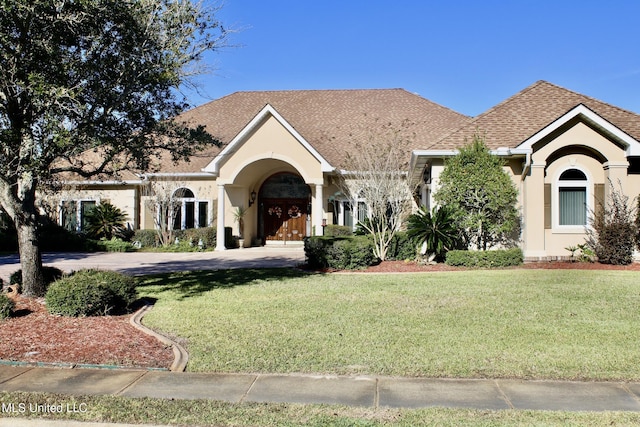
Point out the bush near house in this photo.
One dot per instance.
(613, 236)
(91, 293)
(6, 306)
(188, 238)
(401, 248)
(485, 259)
(340, 253)
(333, 230)
(51, 274)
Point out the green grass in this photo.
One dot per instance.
(210, 413)
(542, 324)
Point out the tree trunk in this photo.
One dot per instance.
(30, 260)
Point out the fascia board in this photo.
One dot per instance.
(631, 145)
(214, 166)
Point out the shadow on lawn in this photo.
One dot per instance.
(194, 283)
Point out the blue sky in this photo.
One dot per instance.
(465, 55)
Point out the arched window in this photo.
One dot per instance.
(572, 198)
(188, 212)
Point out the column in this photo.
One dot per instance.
(533, 212)
(615, 175)
(318, 211)
(220, 220)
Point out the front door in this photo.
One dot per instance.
(285, 220)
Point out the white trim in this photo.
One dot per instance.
(178, 175)
(216, 163)
(555, 200)
(110, 182)
(631, 145)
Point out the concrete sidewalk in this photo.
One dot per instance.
(360, 391)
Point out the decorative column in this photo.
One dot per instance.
(318, 211)
(220, 220)
(615, 175)
(534, 212)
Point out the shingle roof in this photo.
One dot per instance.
(527, 112)
(325, 118)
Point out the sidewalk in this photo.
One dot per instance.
(360, 391)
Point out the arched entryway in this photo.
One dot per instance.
(285, 204)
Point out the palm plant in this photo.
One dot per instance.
(105, 221)
(436, 232)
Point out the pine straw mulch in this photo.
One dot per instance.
(34, 335)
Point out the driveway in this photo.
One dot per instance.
(137, 263)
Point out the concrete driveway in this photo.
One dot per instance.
(137, 263)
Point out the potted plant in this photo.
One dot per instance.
(238, 216)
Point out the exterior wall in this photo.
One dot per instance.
(162, 189)
(270, 141)
(579, 147)
(269, 149)
(124, 197)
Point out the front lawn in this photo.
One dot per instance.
(555, 324)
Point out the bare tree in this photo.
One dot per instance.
(162, 199)
(375, 172)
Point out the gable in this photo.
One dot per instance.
(268, 136)
(582, 126)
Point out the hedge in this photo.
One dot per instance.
(402, 248)
(485, 259)
(91, 293)
(50, 274)
(340, 253)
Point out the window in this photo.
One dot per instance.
(572, 198)
(188, 211)
(73, 214)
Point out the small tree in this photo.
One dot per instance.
(375, 171)
(614, 229)
(481, 196)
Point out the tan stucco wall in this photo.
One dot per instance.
(124, 197)
(159, 188)
(270, 140)
(608, 161)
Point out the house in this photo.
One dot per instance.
(283, 150)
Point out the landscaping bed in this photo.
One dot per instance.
(34, 335)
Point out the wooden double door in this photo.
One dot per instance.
(285, 220)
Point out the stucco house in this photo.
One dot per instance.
(282, 152)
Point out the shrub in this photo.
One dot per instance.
(401, 247)
(614, 232)
(333, 230)
(340, 253)
(6, 306)
(146, 238)
(91, 293)
(195, 235)
(114, 245)
(51, 274)
(485, 259)
(436, 231)
(105, 221)
(54, 238)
